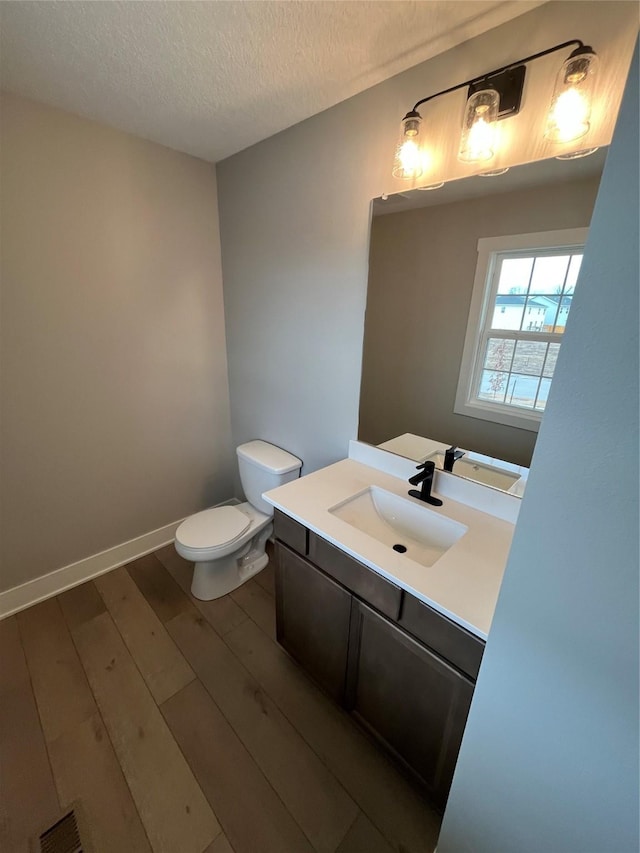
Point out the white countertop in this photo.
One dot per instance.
(462, 584)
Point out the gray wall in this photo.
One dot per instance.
(294, 219)
(549, 759)
(421, 271)
(115, 417)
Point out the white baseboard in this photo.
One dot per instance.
(46, 586)
(23, 596)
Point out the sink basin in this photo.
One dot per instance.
(481, 472)
(401, 524)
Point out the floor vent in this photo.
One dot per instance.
(62, 837)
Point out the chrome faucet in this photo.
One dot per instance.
(450, 457)
(424, 477)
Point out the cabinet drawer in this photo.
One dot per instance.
(362, 581)
(449, 640)
(290, 532)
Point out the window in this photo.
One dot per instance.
(522, 295)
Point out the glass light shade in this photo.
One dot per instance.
(408, 163)
(494, 173)
(478, 140)
(577, 155)
(570, 110)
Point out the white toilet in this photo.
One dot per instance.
(227, 543)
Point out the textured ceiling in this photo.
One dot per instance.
(212, 78)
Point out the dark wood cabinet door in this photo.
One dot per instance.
(312, 619)
(409, 698)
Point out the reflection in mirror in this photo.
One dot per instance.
(422, 264)
(469, 464)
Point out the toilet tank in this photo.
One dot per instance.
(264, 466)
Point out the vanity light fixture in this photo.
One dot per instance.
(497, 95)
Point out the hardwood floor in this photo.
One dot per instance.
(181, 726)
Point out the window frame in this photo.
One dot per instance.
(484, 292)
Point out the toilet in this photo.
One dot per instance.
(227, 543)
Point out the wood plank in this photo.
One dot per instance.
(387, 798)
(258, 604)
(313, 796)
(85, 768)
(267, 578)
(158, 587)
(220, 845)
(172, 807)
(363, 837)
(28, 800)
(81, 604)
(162, 665)
(59, 683)
(223, 614)
(251, 813)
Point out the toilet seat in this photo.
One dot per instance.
(213, 528)
(216, 532)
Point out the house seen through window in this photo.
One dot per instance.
(515, 332)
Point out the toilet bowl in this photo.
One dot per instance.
(227, 543)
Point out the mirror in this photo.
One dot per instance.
(422, 264)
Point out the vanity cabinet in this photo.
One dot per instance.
(404, 671)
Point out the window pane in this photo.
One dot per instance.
(572, 275)
(514, 275)
(529, 357)
(522, 390)
(498, 354)
(535, 313)
(552, 357)
(508, 312)
(549, 274)
(563, 313)
(543, 394)
(493, 386)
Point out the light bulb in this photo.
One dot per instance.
(570, 110)
(409, 157)
(569, 116)
(479, 127)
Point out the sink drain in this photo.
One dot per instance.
(401, 549)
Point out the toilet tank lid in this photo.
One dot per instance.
(269, 457)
